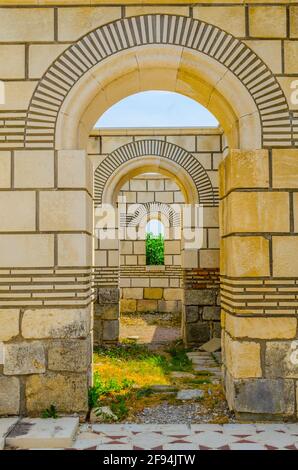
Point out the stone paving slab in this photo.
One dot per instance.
(43, 433)
(6, 424)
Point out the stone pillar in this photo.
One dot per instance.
(45, 262)
(107, 316)
(259, 279)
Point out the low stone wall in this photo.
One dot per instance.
(150, 300)
(200, 306)
(106, 316)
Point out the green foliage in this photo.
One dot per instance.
(155, 249)
(103, 388)
(119, 406)
(179, 360)
(50, 412)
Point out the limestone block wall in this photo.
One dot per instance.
(259, 272)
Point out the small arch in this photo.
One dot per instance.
(207, 195)
(144, 210)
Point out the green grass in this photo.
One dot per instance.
(124, 374)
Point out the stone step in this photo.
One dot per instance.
(41, 433)
(6, 425)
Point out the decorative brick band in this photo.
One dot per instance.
(201, 278)
(256, 296)
(58, 287)
(187, 32)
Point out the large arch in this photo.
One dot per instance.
(239, 62)
(172, 154)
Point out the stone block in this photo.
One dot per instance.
(68, 392)
(107, 311)
(285, 168)
(229, 18)
(260, 212)
(5, 169)
(191, 313)
(131, 260)
(113, 258)
(12, 61)
(291, 56)
(172, 247)
(132, 293)
(26, 24)
(34, 169)
(74, 249)
(245, 169)
(17, 211)
(157, 185)
(209, 258)
(65, 211)
(110, 330)
(125, 247)
(211, 313)
(74, 170)
(245, 256)
(69, 355)
(294, 22)
(261, 328)
(169, 306)
(187, 142)
(284, 260)
(281, 359)
(199, 297)
(197, 333)
(295, 210)
(139, 247)
(18, 94)
(147, 305)
(24, 358)
(172, 294)
(56, 323)
(128, 305)
(138, 185)
(10, 393)
(264, 396)
(216, 330)
(211, 217)
(165, 197)
(243, 359)
(9, 324)
(107, 295)
(75, 22)
(143, 197)
(28, 250)
(153, 293)
(268, 21)
(159, 282)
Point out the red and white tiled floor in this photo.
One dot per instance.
(183, 437)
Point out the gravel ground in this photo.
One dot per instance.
(188, 413)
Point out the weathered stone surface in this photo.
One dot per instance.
(211, 313)
(281, 359)
(110, 330)
(211, 346)
(56, 323)
(216, 330)
(108, 295)
(69, 355)
(9, 324)
(24, 358)
(6, 425)
(262, 328)
(169, 306)
(191, 313)
(153, 293)
(9, 396)
(128, 305)
(147, 305)
(43, 434)
(243, 358)
(197, 333)
(68, 392)
(199, 297)
(107, 311)
(182, 375)
(266, 396)
(190, 394)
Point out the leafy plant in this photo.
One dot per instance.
(50, 412)
(155, 249)
(119, 407)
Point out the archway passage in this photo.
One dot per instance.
(237, 58)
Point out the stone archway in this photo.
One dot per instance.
(53, 245)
